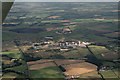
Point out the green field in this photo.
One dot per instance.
(47, 72)
(99, 50)
(93, 74)
(110, 74)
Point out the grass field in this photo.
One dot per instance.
(47, 72)
(44, 69)
(70, 54)
(13, 54)
(10, 76)
(114, 34)
(99, 51)
(47, 68)
(93, 74)
(109, 74)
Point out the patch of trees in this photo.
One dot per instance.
(4, 66)
(29, 57)
(57, 56)
(62, 68)
(28, 30)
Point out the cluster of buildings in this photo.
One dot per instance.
(61, 45)
(73, 44)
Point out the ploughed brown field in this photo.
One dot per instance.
(73, 67)
(79, 68)
(35, 65)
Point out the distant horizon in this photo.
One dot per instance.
(60, 0)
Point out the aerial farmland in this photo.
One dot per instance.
(61, 41)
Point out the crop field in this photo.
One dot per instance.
(47, 72)
(102, 52)
(79, 68)
(11, 76)
(45, 69)
(29, 23)
(41, 65)
(110, 74)
(49, 69)
(91, 74)
(71, 54)
(67, 61)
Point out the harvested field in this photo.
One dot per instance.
(43, 65)
(79, 68)
(40, 64)
(73, 67)
(91, 74)
(78, 71)
(37, 62)
(57, 61)
(66, 62)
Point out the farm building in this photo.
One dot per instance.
(73, 44)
